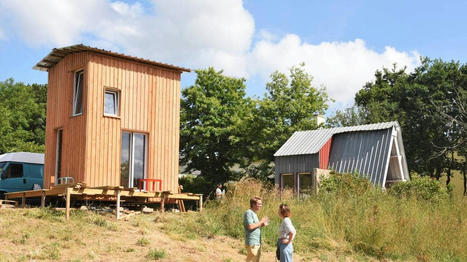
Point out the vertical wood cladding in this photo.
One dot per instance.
(59, 116)
(149, 104)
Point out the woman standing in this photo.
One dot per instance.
(287, 233)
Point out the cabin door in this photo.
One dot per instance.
(133, 159)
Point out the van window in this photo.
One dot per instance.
(13, 170)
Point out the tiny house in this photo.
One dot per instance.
(21, 171)
(112, 119)
(375, 151)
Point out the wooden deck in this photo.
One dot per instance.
(106, 193)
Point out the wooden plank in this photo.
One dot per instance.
(68, 201)
(201, 204)
(118, 204)
(42, 199)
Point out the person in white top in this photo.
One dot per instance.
(219, 192)
(287, 234)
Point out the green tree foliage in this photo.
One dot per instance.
(22, 122)
(351, 116)
(430, 106)
(221, 128)
(290, 104)
(213, 113)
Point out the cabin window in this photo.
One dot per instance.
(78, 93)
(13, 170)
(287, 181)
(133, 159)
(305, 184)
(111, 103)
(58, 152)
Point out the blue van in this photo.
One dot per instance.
(21, 171)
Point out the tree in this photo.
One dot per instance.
(290, 104)
(428, 104)
(23, 111)
(213, 113)
(351, 116)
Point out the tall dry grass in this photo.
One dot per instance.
(367, 222)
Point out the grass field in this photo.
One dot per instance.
(358, 224)
(368, 225)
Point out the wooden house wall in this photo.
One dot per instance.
(59, 115)
(149, 104)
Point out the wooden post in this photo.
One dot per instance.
(68, 200)
(163, 202)
(118, 204)
(200, 203)
(23, 200)
(42, 199)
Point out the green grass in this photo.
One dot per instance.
(143, 242)
(156, 254)
(371, 224)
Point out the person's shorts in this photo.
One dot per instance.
(253, 253)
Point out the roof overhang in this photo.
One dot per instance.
(58, 54)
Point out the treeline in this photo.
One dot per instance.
(22, 117)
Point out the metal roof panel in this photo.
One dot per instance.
(310, 142)
(58, 54)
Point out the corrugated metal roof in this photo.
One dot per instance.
(24, 157)
(310, 142)
(58, 54)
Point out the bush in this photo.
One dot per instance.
(345, 184)
(422, 188)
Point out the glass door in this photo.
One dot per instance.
(133, 159)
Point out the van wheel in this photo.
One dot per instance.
(2, 194)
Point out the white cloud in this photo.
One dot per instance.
(343, 67)
(53, 21)
(197, 33)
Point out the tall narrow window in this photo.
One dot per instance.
(111, 103)
(133, 159)
(58, 163)
(78, 93)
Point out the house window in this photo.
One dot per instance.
(78, 93)
(287, 181)
(111, 103)
(305, 184)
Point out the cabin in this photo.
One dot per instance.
(374, 151)
(112, 119)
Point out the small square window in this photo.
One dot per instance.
(111, 103)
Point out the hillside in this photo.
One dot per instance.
(35, 234)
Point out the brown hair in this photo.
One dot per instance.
(254, 201)
(284, 209)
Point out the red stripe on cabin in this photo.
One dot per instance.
(324, 154)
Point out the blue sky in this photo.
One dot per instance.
(341, 42)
